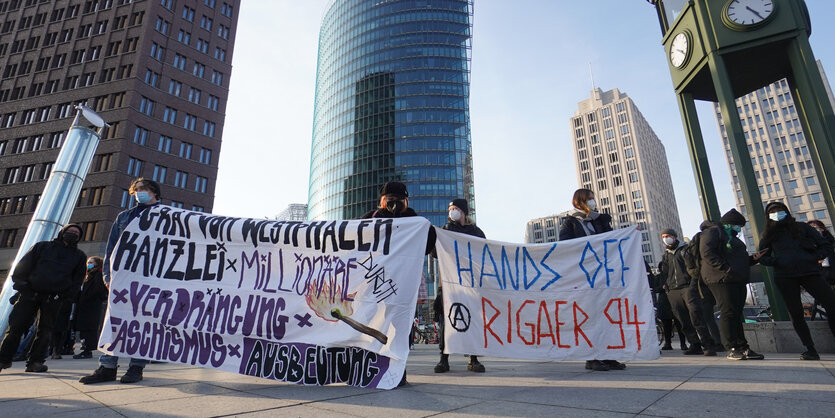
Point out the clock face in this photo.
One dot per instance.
(678, 50)
(749, 12)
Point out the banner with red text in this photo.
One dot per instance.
(581, 299)
(312, 303)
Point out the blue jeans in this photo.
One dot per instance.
(110, 362)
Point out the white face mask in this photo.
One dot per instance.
(592, 204)
(669, 240)
(455, 215)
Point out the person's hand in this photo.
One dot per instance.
(759, 254)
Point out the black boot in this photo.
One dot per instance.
(443, 365)
(695, 349)
(475, 366)
(36, 367)
(133, 375)
(102, 374)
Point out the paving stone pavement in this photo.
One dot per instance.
(673, 386)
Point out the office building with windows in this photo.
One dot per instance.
(156, 70)
(545, 229)
(621, 159)
(392, 99)
(293, 212)
(777, 145)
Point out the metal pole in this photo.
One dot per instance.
(755, 212)
(698, 157)
(57, 200)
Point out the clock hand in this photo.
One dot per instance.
(679, 50)
(754, 12)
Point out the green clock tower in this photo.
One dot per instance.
(719, 50)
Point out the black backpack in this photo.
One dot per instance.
(693, 258)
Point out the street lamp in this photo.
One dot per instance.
(60, 193)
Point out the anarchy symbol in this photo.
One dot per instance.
(459, 317)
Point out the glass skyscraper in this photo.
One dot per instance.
(392, 103)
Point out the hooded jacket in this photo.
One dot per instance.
(721, 264)
(673, 270)
(572, 226)
(89, 305)
(51, 267)
(795, 256)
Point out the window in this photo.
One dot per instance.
(146, 106)
(177, 204)
(164, 144)
(168, 4)
(174, 87)
(152, 78)
(205, 156)
(206, 23)
(202, 46)
(200, 184)
(7, 238)
(170, 115)
(226, 10)
(179, 62)
(223, 31)
(185, 150)
(217, 78)
(101, 163)
(184, 37)
(159, 173)
(815, 197)
(810, 181)
(140, 136)
(188, 13)
(190, 122)
(90, 229)
(134, 167)
(199, 69)
(194, 95)
(127, 200)
(158, 52)
(180, 179)
(792, 184)
(220, 54)
(209, 129)
(198, 208)
(210, 3)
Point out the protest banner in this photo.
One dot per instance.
(312, 303)
(581, 299)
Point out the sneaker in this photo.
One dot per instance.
(808, 355)
(667, 347)
(752, 355)
(695, 349)
(734, 354)
(133, 375)
(83, 354)
(475, 366)
(597, 366)
(5, 365)
(102, 374)
(442, 367)
(36, 367)
(614, 364)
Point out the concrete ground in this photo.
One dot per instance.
(673, 386)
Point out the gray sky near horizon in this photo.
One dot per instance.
(530, 68)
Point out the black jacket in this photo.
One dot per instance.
(673, 270)
(89, 305)
(795, 256)
(438, 307)
(51, 267)
(438, 304)
(721, 264)
(572, 226)
(409, 212)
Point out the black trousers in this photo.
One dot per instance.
(687, 304)
(24, 311)
(682, 314)
(730, 299)
(820, 290)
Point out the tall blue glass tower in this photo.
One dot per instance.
(392, 103)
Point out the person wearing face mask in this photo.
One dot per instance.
(684, 295)
(457, 221)
(794, 249)
(394, 203)
(584, 222)
(89, 308)
(49, 273)
(726, 268)
(147, 195)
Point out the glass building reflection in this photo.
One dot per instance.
(392, 103)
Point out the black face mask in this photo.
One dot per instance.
(395, 206)
(70, 237)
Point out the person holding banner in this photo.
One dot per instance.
(147, 195)
(458, 221)
(796, 251)
(684, 296)
(584, 222)
(394, 203)
(726, 268)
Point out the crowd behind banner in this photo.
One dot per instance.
(323, 302)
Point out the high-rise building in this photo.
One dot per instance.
(619, 157)
(782, 164)
(156, 70)
(545, 229)
(293, 212)
(392, 103)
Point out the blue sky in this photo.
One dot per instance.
(530, 68)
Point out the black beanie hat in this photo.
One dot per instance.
(732, 217)
(461, 204)
(394, 188)
(669, 231)
(777, 205)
